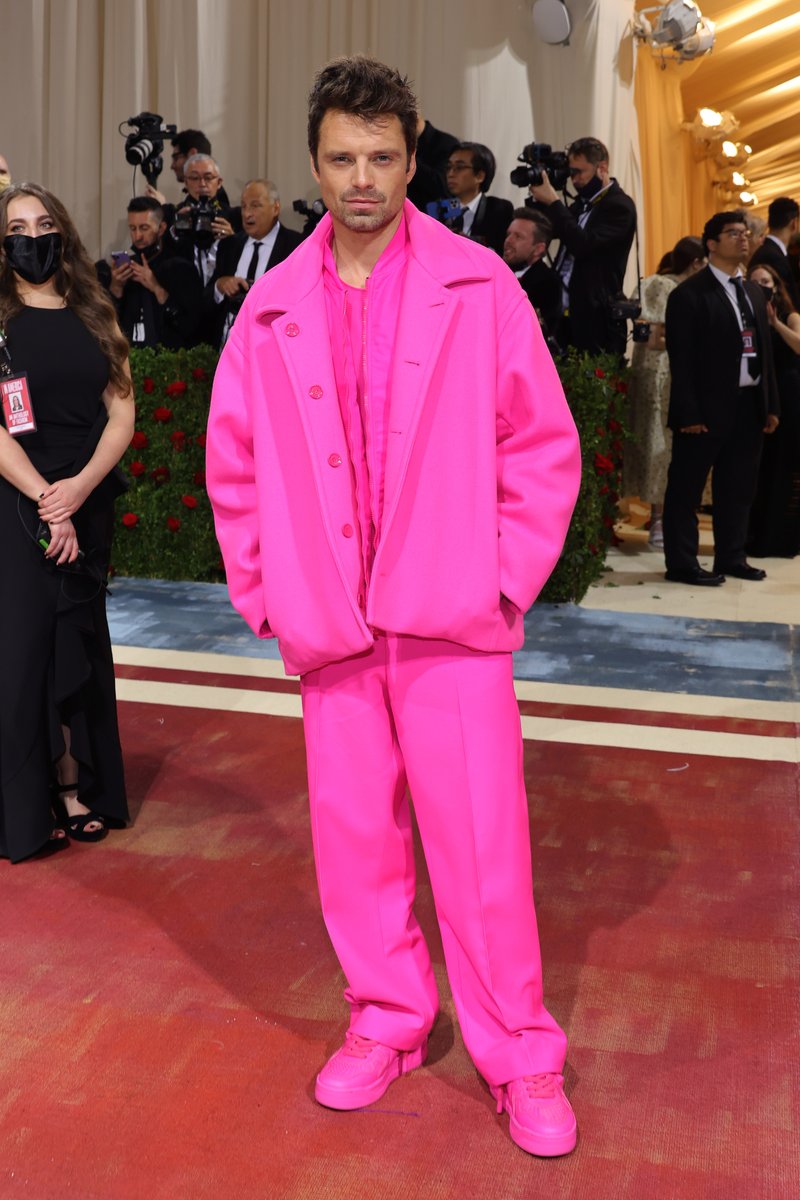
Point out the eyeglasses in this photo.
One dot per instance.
(200, 178)
(736, 233)
(459, 166)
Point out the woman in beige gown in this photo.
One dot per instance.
(647, 457)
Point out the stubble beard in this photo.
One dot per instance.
(365, 222)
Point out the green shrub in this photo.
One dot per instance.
(164, 524)
(595, 387)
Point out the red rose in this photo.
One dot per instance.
(173, 524)
(137, 468)
(139, 440)
(608, 522)
(592, 548)
(175, 389)
(198, 373)
(178, 439)
(200, 478)
(602, 464)
(599, 430)
(162, 414)
(614, 426)
(148, 385)
(621, 387)
(201, 439)
(189, 501)
(599, 373)
(129, 520)
(160, 474)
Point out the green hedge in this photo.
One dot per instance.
(165, 527)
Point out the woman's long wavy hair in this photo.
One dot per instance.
(75, 280)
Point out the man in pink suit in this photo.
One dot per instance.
(393, 467)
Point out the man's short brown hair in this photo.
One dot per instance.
(589, 148)
(365, 88)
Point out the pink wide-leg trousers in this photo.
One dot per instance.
(443, 720)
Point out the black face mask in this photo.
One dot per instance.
(587, 190)
(36, 259)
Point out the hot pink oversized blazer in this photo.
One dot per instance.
(482, 464)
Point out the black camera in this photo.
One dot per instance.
(448, 210)
(641, 331)
(144, 145)
(196, 218)
(621, 309)
(537, 158)
(313, 213)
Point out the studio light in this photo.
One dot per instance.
(677, 30)
(551, 21)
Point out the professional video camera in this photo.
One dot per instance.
(144, 144)
(537, 158)
(195, 219)
(448, 210)
(313, 213)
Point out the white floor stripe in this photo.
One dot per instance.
(550, 693)
(542, 729)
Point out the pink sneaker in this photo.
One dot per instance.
(361, 1071)
(542, 1121)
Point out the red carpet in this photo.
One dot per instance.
(169, 995)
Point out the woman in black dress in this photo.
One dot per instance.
(61, 771)
(775, 515)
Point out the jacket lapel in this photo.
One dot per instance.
(421, 329)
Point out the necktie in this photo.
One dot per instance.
(251, 269)
(748, 322)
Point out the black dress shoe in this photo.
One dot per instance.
(696, 576)
(743, 571)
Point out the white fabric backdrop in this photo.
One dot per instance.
(241, 69)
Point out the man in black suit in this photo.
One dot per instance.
(470, 171)
(596, 233)
(244, 257)
(783, 219)
(723, 399)
(524, 250)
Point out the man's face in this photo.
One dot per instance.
(203, 180)
(145, 229)
(521, 249)
(176, 161)
(363, 170)
(583, 172)
(4, 165)
(463, 181)
(732, 247)
(259, 213)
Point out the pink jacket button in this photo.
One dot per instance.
(347, 530)
(315, 392)
(334, 460)
(292, 330)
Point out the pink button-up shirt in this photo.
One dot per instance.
(363, 325)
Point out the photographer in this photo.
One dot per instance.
(184, 145)
(470, 171)
(203, 219)
(158, 297)
(596, 232)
